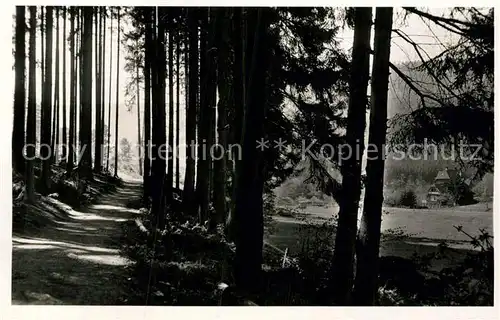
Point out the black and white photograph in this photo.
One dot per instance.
(250, 155)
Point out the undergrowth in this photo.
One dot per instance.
(185, 264)
(180, 265)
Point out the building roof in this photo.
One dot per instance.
(443, 175)
(447, 174)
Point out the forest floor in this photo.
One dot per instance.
(76, 259)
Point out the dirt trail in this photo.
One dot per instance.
(76, 262)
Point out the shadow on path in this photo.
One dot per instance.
(76, 260)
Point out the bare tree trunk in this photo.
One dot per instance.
(207, 101)
(72, 94)
(177, 109)
(110, 82)
(64, 111)
(47, 106)
(19, 91)
(138, 118)
(366, 284)
(238, 40)
(248, 214)
(147, 108)
(170, 162)
(55, 122)
(98, 93)
(188, 193)
(211, 100)
(42, 66)
(225, 99)
(78, 83)
(201, 187)
(85, 167)
(31, 117)
(186, 84)
(80, 73)
(159, 128)
(103, 83)
(343, 259)
(117, 93)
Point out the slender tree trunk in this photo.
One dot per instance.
(72, 94)
(98, 93)
(186, 88)
(95, 83)
(188, 193)
(117, 93)
(47, 106)
(367, 262)
(64, 111)
(42, 65)
(159, 128)
(80, 76)
(201, 180)
(205, 121)
(170, 162)
(31, 117)
(85, 168)
(139, 117)
(238, 40)
(248, 214)
(211, 98)
(109, 98)
(154, 101)
(343, 259)
(224, 84)
(147, 108)
(177, 108)
(19, 90)
(55, 122)
(103, 83)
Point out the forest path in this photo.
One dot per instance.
(77, 261)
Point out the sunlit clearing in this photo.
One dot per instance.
(70, 230)
(75, 225)
(128, 178)
(60, 204)
(34, 246)
(90, 216)
(41, 241)
(112, 260)
(114, 208)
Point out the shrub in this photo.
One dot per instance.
(391, 198)
(469, 283)
(461, 192)
(484, 189)
(287, 212)
(285, 201)
(408, 199)
(179, 265)
(296, 188)
(401, 274)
